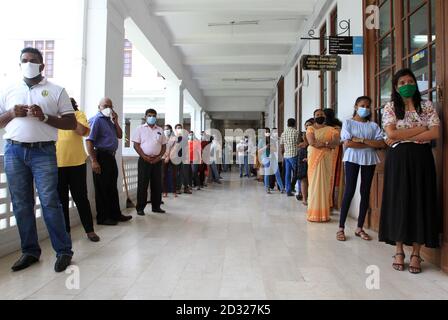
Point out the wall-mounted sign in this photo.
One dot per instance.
(321, 63)
(346, 45)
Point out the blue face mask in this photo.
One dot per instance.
(151, 120)
(363, 112)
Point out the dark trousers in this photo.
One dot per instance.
(149, 175)
(183, 176)
(73, 179)
(202, 168)
(106, 192)
(166, 177)
(351, 180)
(194, 174)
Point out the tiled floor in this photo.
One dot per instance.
(227, 242)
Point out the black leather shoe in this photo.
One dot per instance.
(141, 213)
(158, 210)
(108, 222)
(123, 218)
(93, 237)
(62, 263)
(24, 262)
(290, 194)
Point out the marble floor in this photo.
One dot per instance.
(230, 241)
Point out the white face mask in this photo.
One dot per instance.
(30, 70)
(179, 131)
(107, 112)
(167, 133)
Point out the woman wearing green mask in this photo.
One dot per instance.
(409, 214)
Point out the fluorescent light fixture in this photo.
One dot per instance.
(234, 23)
(249, 80)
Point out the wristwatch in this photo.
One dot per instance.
(45, 118)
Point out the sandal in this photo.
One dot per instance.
(340, 236)
(398, 266)
(363, 235)
(416, 270)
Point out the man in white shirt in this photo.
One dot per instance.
(32, 112)
(150, 143)
(242, 149)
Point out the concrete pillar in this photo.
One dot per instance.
(196, 123)
(174, 103)
(104, 45)
(202, 121)
(104, 56)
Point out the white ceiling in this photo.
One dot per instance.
(218, 55)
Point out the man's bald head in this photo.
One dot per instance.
(105, 103)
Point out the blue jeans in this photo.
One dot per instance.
(22, 166)
(244, 164)
(215, 172)
(290, 167)
(267, 170)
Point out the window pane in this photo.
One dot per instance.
(413, 4)
(386, 55)
(40, 45)
(434, 66)
(49, 45)
(29, 44)
(419, 65)
(418, 28)
(385, 21)
(385, 87)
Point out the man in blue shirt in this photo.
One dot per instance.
(102, 145)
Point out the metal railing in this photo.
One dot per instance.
(9, 236)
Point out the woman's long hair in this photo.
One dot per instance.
(398, 100)
(331, 120)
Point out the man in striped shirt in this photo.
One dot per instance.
(289, 145)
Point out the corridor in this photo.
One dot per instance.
(227, 242)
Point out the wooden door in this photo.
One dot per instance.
(442, 101)
(281, 105)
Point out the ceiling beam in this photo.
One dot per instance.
(270, 60)
(281, 38)
(237, 93)
(235, 75)
(231, 7)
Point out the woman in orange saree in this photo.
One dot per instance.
(323, 140)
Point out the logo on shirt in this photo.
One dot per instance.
(45, 93)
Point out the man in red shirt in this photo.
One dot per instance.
(194, 147)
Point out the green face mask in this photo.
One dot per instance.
(407, 91)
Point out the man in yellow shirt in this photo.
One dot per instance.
(72, 166)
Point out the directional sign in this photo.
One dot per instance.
(346, 45)
(341, 45)
(321, 63)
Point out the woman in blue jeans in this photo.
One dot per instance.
(361, 138)
(268, 155)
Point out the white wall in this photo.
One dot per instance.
(351, 76)
(289, 96)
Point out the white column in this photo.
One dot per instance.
(197, 122)
(174, 104)
(202, 121)
(104, 56)
(208, 122)
(104, 45)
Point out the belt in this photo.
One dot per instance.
(112, 153)
(32, 144)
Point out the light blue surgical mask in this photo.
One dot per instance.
(363, 112)
(151, 120)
